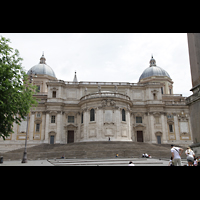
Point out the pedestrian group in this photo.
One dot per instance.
(176, 157)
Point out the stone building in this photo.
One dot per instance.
(193, 101)
(147, 111)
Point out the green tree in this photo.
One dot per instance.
(16, 93)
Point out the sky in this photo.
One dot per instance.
(107, 57)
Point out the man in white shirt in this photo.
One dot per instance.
(176, 155)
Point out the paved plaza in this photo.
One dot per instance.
(91, 162)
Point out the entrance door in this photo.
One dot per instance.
(159, 139)
(139, 136)
(70, 137)
(52, 139)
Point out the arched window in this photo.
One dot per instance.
(123, 115)
(82, 118)
(92, 115)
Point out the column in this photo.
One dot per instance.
(147, 133)
(153, 137)
(31, 128)
(176, 128)
(43, 126)
(99, 124)
(58, 127)
(148, 128)
(46, 128)
(128, 126)
(86, 123)
(164, 132)
(62, 132)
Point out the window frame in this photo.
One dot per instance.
(171, 130)
(82, 118)
(38, 114)
(123, 115)
(53, 119)
(37, 128)
(92, 115)
(38, 88)
(70, 119)
(136, 120)
(53, 94)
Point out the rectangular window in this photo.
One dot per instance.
(161, 90)
(138, 119)
(70, 119)
(37, 127)
(38, 114)
(170, 91)
(38, 88)
(171, 128)
(54, 94)
(53, 119)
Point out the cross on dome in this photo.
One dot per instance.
(152, 62)
(42, 59)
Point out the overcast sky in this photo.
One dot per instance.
(107, 57)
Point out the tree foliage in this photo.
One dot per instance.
(16, 93)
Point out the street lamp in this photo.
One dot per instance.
(24, 159)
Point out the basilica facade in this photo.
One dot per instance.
(72, 111)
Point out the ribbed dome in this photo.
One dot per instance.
(42, 68)
(153, 70)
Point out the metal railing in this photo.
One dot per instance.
(103, 83)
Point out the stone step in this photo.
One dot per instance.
(91, 150)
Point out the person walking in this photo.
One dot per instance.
(190, 156)
(176, 155)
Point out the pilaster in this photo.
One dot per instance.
(31, 129)
(46, 127)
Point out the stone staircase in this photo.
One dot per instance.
(106, 149)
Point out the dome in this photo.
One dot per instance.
(153, 70)
(42, 68)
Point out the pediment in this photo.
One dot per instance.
(38, 121)
(139, 125)
(71, 126)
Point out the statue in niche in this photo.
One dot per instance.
(99, 88)
(112, 103)
(116, 88)
(104, 103)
